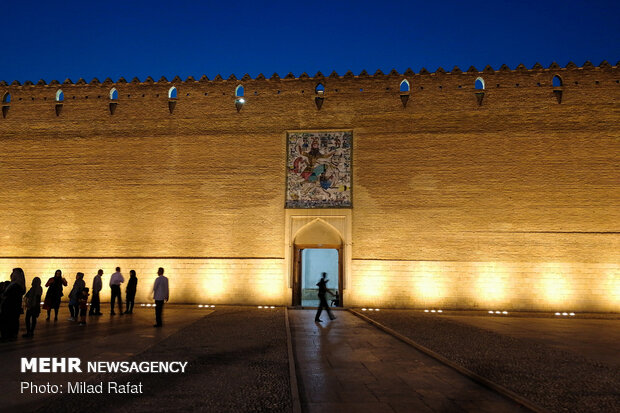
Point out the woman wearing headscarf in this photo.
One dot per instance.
(130, 291)
(32, 304)
(54, 293)
(11, 306)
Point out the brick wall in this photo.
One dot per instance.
(202, 281)
(550, 286)
(519, 180)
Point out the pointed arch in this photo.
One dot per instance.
(6, 98)
(405, 87)
(557, 81)
(172, 93)
(319, 89)
(318, 232)
(60, 96)
(479, 84)
(239, 91)
(113, 94)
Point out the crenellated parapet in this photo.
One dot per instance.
(488, 70)
(318, 87)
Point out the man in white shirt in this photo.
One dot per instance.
(160, 294)
(116, 280)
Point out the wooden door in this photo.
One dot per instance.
(297, 276)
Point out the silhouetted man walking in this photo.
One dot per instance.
(322, 284)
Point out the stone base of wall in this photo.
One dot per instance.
(583, 287)
(199, 280)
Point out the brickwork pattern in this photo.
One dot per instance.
(518, 179)
(552, 286)
(201, 281)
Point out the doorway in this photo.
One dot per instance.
(314, 262)
(310, 262)
(317, 247)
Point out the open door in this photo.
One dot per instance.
(317, 247)
(297, 277)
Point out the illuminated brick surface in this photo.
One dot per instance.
(508, 194)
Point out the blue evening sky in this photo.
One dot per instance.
(59, 39)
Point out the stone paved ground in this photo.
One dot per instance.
(564, 365)
(348, 365)
(237, 358)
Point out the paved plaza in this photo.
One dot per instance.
(238, 360)
(347, 365)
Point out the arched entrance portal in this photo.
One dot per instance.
(318, 248)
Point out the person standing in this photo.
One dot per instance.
(11, 305)
(130, 291)
(75, 294)
(82, 305)
(33, 306)
(116, 280)
(160, 294)
(322, 284)
(54, 293)
(95, 304)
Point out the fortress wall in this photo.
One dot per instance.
(520, 181)
(503, 286)
(201, 281)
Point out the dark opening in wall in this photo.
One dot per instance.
(318, 101)
(60, 97)
(6, 99)
(405, 86)
(557, 85)
(240, 91)
(113, 100)
(239, 102)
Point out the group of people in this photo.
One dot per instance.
(14, 300)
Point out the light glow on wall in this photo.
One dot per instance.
(214, 280)
(428, 282)
(372, 283)
(490, 288)
(554, 285)
(269, 283)
(613, 284)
